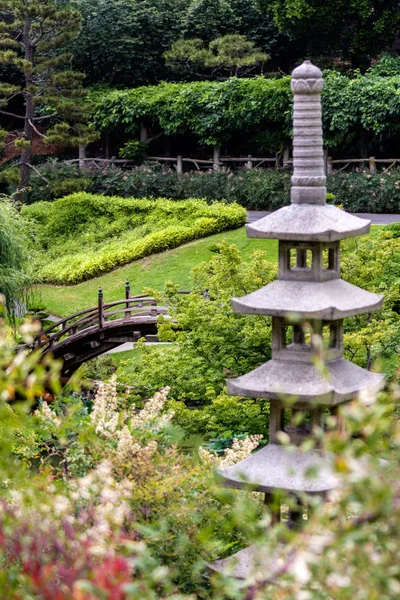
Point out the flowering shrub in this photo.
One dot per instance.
(139, 518)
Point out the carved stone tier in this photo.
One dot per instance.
(325, 300)
(308, 179)
(274, 467)
(302, 383)
(308, 222)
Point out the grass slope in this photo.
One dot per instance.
(153, 271)
(82, 236)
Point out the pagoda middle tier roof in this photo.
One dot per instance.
(325, 300)
(275, 467)
(302, 383)
(308, 222)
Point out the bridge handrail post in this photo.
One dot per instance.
(127, 296)
(101, 308)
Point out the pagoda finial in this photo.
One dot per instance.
(308, 180)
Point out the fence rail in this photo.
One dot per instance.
(250, 162)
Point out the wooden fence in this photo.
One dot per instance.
(248, 162)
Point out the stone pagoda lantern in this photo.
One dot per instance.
(307, 303)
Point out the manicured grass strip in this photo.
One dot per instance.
(153, 271)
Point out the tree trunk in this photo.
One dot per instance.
(26, 153)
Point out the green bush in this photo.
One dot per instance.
(83, 235)
(69, 186)
(356, 191)
(356, 110)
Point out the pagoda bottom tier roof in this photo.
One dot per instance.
(328, 300)
(255, 563)
(305, 384)
(276, 467)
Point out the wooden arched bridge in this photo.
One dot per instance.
(91, 332)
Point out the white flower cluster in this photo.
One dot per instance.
(239, 450)
(107, 505)
(104, 414)
(152, 410)
(128, 448)
(47, 415)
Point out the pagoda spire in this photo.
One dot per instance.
(308, 179)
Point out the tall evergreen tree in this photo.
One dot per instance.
(47, 100)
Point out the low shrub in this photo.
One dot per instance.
(356, 191)
(83, 235)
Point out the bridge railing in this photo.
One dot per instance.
(130, 308)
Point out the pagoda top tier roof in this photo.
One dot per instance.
(308, 222)
(325, 300)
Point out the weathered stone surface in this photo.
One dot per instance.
(308, 222)
(308, 179)
(257, 564)
(276, 467)
(280, 379)
(250, 564)
(327, 300)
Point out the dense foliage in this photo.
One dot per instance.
(100, 500)
(353, 29)
(15, 253)
(342, 33)
(257, 189)
(82, 236)
(360, 114)
(211, 343)
(142, 30)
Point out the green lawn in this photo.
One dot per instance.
(153, 271)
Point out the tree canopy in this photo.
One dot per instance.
(34, 34)
(356, 29)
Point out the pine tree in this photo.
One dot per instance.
(48, 96)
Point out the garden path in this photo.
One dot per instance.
(376, 219)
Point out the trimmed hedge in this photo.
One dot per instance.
(356, 191)
(83, 235)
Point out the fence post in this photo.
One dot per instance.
(329, 165)
(249, 164)
(216, 158)
(326, 161)
(112, 163)
(101, 309)
(277, 160)
(143, 133)
(179, 164)
(82, 155)
(372, 165)
(286, 155)
(127, 296)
